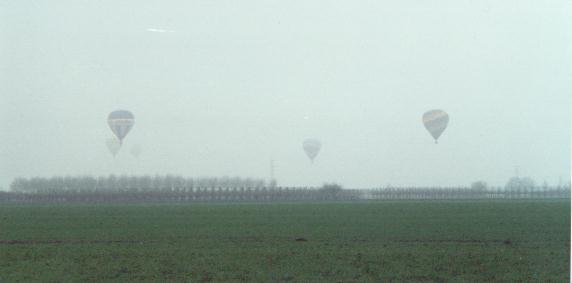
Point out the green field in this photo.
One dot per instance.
(346, 242)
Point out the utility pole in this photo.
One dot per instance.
(272, 177)
(516, 174)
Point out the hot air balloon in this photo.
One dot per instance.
(120, 122)
(113, 145)
(312, 148)
(435, 122)
(136, 151)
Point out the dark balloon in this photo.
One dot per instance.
(312, 148)
(120, 122)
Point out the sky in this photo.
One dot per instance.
(221, 88)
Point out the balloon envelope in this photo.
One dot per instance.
(312, 148)
(435, 121)
(120, 122)
(113, 145)
(136, 151)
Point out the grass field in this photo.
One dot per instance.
(346, 242)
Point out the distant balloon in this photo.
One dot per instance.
(312, 148)
(435, 122)
(120, 122)
(113, 145)
(136, 151)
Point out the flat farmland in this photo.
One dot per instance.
(430, 241)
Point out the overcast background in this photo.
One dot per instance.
(222, 87)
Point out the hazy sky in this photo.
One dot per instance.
(222, 87)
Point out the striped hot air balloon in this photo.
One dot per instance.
(120, 122)
(312, 148)
(435, 121)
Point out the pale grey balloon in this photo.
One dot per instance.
(435, 121)
(113, 145)
(135, 151)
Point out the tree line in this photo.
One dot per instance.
(226, 189)
(129, 183)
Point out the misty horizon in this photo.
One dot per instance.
(222, 90)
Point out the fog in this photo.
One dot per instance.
(223, 87)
